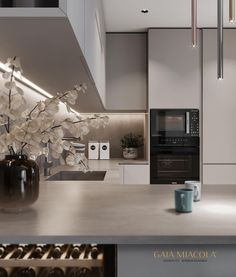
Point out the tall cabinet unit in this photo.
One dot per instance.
(219, 110)
(174, 68)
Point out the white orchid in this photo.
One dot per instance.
(25, 131)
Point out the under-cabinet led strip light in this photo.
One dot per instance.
(194, 23)
(30, 84)
(231, 11)
(220, 72)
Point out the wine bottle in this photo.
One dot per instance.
(6, 249)
(3, 272)
(71, 272)
(83, 272)
(76, 251)
(38, 251)
(18, 252)
(23, 272)
(2, 250)
(43, 272)
(56, 272)
(95, 251)
(57, 251)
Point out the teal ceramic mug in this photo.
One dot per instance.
(184, 200)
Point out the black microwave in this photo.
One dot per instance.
(174, 123)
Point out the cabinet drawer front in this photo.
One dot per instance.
(219, 174)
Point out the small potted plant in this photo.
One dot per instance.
(130, 144)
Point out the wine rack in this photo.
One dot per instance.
(87, 256)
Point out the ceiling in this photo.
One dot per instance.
(125, 15)
(50, 56)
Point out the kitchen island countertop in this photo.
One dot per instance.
(121, 214)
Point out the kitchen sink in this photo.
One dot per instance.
(78, 176)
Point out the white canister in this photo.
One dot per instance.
(196, 187)
(93, 150)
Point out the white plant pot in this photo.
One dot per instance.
(130, 153)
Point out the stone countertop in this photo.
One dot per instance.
(71, 212)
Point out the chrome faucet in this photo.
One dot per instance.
(47, 165)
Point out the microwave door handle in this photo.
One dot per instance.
(187, 122)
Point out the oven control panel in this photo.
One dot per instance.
(179, 141)
(194, 123)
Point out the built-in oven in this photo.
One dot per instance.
(174, 146)
(174, 164)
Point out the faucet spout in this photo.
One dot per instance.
(47, 165)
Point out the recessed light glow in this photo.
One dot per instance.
(30, 84)
(144, 11)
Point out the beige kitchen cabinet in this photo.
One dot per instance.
(75, 13)
(174, 68)
(87, 20)
(134, 174)
(219, 100)
(219, 110)
(95, 45)
(219, 174)
(126, 78)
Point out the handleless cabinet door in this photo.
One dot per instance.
(75, 13)
(126, 78)
(95, 44)
(134, 174)
(174, 69)
(219, 100)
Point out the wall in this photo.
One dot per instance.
(119, 125)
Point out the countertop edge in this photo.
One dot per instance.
(138, 240)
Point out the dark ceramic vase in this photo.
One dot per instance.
(19, 183)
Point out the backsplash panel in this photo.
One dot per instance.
(119, 125)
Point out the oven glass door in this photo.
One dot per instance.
(170, 123)
(171, 165)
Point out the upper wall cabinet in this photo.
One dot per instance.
(75, 12)
(126, 79)
(95, 45)
(87, 20)
(174, 69)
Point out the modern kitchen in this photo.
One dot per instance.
(117, 138)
